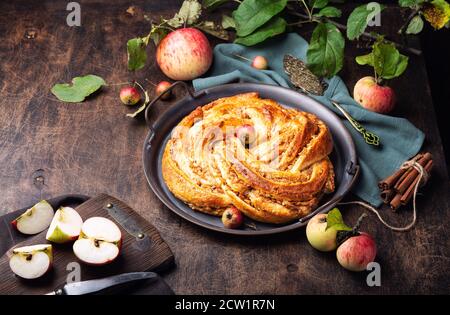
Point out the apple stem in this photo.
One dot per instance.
(242, 57)
(120, 83)
(140, 86)
(359, 221)
(150, 82)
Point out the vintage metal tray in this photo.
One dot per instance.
(343, 156)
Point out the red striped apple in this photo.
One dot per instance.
(65, 226)
(31, 262)
(99, 241)
(356, 252)
(374, 97)
(184, 54)
(34, 220)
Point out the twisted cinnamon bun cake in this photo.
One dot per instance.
(268, 161)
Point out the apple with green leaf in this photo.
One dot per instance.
(34, 220)
(323, 228)
(65, 226)
(388, 63)
(99, 242)
(31, 262)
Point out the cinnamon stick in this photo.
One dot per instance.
(413, 174)
(406, 197)
(395, 202)
(387, 195)
(391, 180)
(402, 178)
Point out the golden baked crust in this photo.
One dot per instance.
(280, 177)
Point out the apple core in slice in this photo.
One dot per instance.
(65, 226)
(95, 252)
(31, 262)
(34, 220)
(99, 241)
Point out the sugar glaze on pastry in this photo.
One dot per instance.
(279, 177)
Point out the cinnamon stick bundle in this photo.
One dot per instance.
(398, 189)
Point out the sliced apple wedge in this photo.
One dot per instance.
(65, 226)
(31, 262)
(99, 241)
(34, 220)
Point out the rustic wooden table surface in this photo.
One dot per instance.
(92, 147)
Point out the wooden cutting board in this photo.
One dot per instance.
(143, 249)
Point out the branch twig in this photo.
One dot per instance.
(411, 50)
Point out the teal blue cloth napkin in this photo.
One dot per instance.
(399, 138)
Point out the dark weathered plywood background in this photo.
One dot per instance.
(90, 148)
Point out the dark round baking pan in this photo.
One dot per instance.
(343, 156)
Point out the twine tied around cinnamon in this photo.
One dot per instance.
(423, 178)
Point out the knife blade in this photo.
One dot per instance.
(103, 284)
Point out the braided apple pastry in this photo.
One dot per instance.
(268, 161)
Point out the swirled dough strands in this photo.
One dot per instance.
(279, 177)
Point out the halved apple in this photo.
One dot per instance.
(99, 241)
(31, 262)
(65, 226)
(34, 220)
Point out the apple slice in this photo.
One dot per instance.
(34, 220)
(99, 241)
(31, 262)
(65, 226)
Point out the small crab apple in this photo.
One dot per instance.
(232, 218)
(260, 63)
(246, 133)
(161, 88)
(319, 236)
(129, 95)
(357, 252)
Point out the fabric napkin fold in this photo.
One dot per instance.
(400, 140)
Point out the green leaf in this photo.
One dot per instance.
(215, 30)
(157, 33)
(228, 22)
(415, 26)
(409, 3)
(329, 12)
(365, 60)
(274, 27)
(319, 4)
(335, 220)
(137, 56)
(80, 88)
(251, 14)
(387, 60)
(358, 19)
(326, 50)
(189, 14)
(213, 4)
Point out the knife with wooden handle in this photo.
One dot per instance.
(104, 285)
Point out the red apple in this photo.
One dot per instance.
(232, 218)
(374, 97)
(356, 252)
(161, 88)
(129, 95)
(184, 54)
(260, 63)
